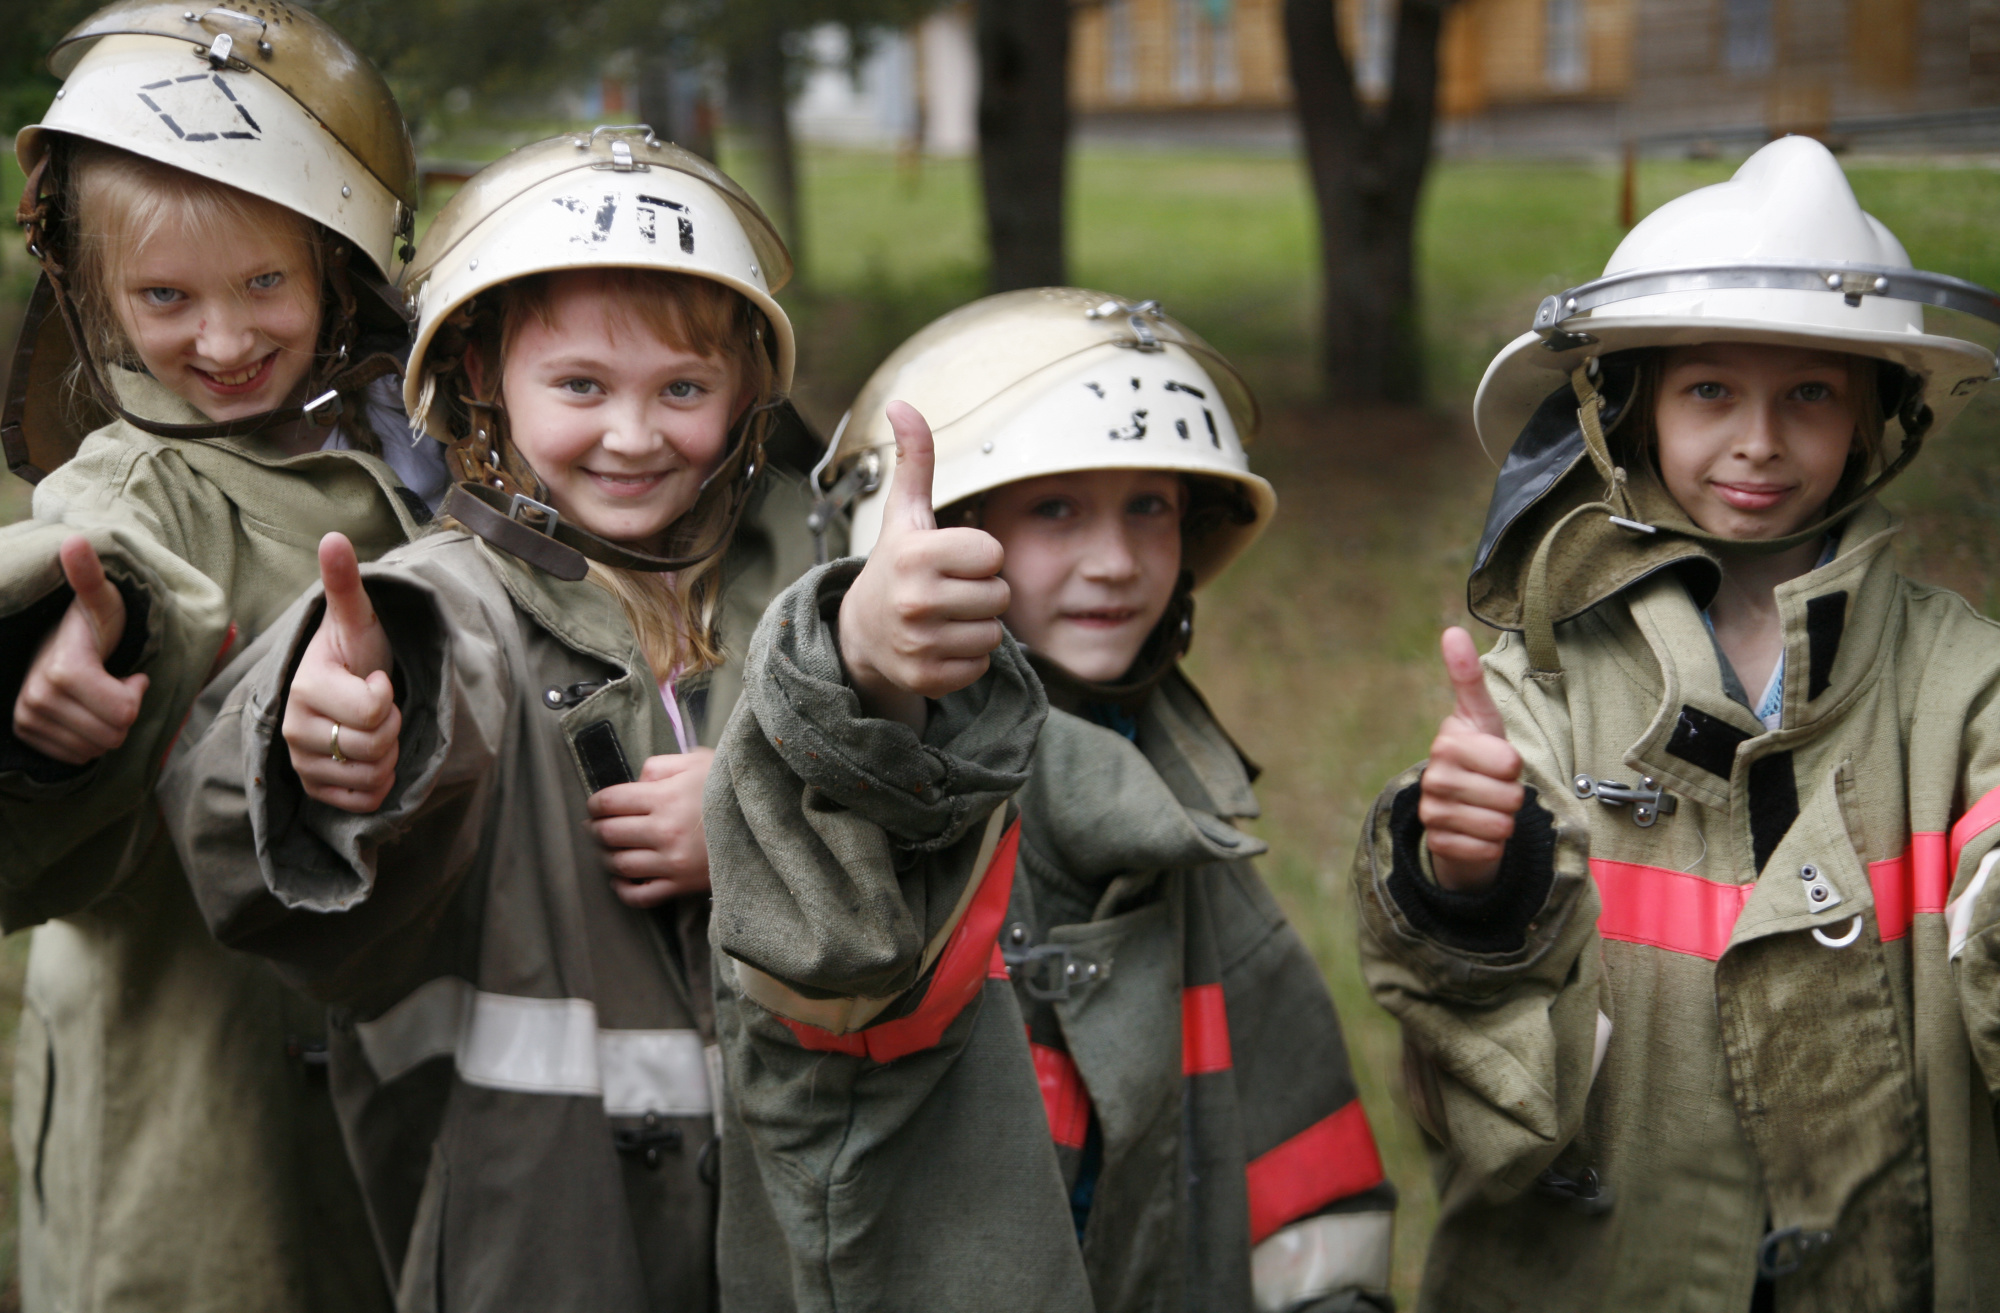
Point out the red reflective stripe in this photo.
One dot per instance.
(1204, 1030)
(1984, 814)
(1673, 910)
(1918, 881)
(1064, 1098)
(1329, 1160)
(962, 970)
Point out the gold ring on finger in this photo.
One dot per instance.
(335, 752)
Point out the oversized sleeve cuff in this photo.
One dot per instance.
(1494, 919)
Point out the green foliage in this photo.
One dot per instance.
(32, 27)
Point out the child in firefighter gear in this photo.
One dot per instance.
(455, 796)
(1688, 918)
(1058, 1053)
(216, 201)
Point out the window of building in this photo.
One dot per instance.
(1188, 27)
(1566, 56)
(1223, 78)
(1746, 36)
(1120, 82)
(1378, 41)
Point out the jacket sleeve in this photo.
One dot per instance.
(342, 902)
(1499, 994)
(1971, 857)
(838, 843)
(70, 834)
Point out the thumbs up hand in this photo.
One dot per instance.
(923, 618)
(341, 720)
(69, 707)
(1472, 786)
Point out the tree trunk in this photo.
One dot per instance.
(757, 88)
(1024, 137)
(1367, 172)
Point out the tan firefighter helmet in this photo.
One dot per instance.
(1056, 380)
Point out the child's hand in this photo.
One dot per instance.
(1472, 786)
(341, 720)
(923, 618)
(652, 829)
(70, 708)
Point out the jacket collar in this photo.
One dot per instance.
(1838, 621)
(579, 614)
(1164, 803)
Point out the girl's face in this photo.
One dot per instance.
(621, 426)
(1092, 559)
(1753, 438)
(228, 326)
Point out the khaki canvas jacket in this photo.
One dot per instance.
(906, 1168)
(1765, 1022)
(518, 1058)
(176, 1141)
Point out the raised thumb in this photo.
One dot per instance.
(348, 609)
(1468, 684)
(916, 459)
(97, 596)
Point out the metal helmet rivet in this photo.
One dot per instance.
(473, 265)
(986, 447)
(188, 16)
(59, 95)
(345, 191)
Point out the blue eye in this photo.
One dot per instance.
(581, 387)
(681, 389)
(1710, 391)
(162, 295)
(265, 282)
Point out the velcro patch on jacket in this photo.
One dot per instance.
(603, 757)
(1826, 618)
(1705, 741)
(1774, 804)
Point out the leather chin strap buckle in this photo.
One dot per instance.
(469, 504)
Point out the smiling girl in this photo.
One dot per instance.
(1687, 917)
(1075, 1061)
(210, 265)
(455, 797)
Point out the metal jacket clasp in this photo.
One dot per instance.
(1648, 802)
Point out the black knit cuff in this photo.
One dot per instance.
(1491, 920)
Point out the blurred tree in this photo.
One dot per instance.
(32, 26)
(1367, 165)
(1024, 137)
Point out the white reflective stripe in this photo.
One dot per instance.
(1603, 1043)
(1320, 1256)
(663, 1071)
(425, 1025)
(1958, 912)
(541, 1046)
(536, 1045)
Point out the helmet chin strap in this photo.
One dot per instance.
(323, 409)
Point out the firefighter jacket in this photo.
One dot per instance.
(890, 932)
(518, 1059)
(1733, 1002)
(176, 1143)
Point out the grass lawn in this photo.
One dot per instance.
(1318, 649)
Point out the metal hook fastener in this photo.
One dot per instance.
(225, 43)
(1136, 316)
(1785, 1250)
(1649, 802)
(1853, 933)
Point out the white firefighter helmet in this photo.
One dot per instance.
(1056, 380)
(1782, 253)
(262, 96)
(610, 198)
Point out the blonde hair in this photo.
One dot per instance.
(673, 615)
